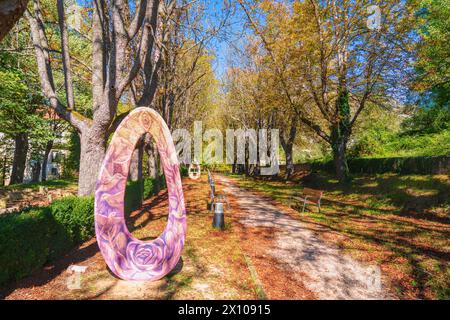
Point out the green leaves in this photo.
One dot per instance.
(18, 103)
(433, 49)
(13, 102)
(35, 236)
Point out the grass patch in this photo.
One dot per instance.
(51, 185)
(399, 222)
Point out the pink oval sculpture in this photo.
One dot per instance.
(127, 257)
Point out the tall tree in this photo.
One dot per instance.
(124, 44)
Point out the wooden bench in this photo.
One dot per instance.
(311, 196)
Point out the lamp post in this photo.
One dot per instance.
(219, 216)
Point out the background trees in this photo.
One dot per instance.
(332, 66)
(20, 105)
(312, 69)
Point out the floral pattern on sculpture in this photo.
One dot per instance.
(127, 257)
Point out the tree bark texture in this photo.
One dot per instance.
(48, 148)
(10, 12)
(20, 158)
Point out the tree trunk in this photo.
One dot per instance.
(5, 159)
(136, 174)
(36, 172)
(152, 162)
(290, 167)
(93, 149)
(48, 148)
(10, 12)
(20, 158)
(340, 133)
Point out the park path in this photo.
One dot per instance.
(320, 266)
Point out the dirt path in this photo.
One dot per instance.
(298, 249)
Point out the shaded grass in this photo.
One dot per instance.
(399, 222)
(51, 184)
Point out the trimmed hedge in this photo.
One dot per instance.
(25, 241)
(35, 236)
(75, 219)
(412, 165)
(133, 196)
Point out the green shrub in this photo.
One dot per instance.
(62, 213)
(25, 240)
(136, 192)
(133, 196)
(406, 165)
(33, 237)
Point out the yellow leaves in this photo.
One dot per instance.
(123, 107)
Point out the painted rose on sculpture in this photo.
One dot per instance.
(144, 257)
(127, 257)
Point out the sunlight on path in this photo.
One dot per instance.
(330, 273)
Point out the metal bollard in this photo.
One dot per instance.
(219, 216)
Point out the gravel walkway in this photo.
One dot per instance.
(330, 274)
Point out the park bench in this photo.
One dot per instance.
(214, 196)
(311, 196)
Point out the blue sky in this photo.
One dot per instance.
(220, 46)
